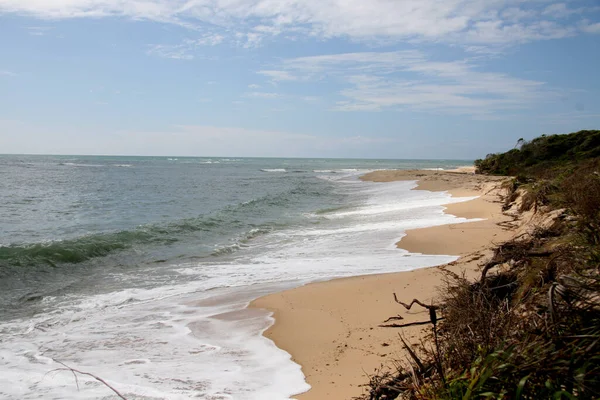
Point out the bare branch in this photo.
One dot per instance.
(396, 318)
(76, 371)
(415, 301)
(406, 325)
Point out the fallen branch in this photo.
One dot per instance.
(76, 371)
(432, 314)
(406, 325)
(415, 301)
(396, 318)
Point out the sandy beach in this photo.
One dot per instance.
(332, 328)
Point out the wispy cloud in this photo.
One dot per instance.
(38, 30)
(209, 39)
(185, 50)
(497, 33)
(375, 81)
(277, 76)
(591, 28)
(7, 73)
(263, 95)
(249, 22)
(562, 10)
(176, 52)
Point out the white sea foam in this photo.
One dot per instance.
(198, 340)
(70, 164)
(274, 170)
(336, 171)
(342, 176)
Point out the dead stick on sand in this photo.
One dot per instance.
(432, 309)
(396, 318)
(406, 325)
(433, 319)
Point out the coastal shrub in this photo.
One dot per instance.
(582, 197)
(543, 156)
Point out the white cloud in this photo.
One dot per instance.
(38, 30)
(263, 95)
(186, 49)
(592, 28)
(209, 39)
(374, 81)
(7, 73)
(556, 10)
(253, 86)
(517, 14)
(494, 32)
(457, 21)
(277, 76)
(310, 99)
(177, 52)
(561, 10)
(250, 39)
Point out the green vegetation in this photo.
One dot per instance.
(529, 328)
(545, 155)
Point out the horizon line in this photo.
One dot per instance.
(224, 157)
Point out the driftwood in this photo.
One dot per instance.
(433, 318)
(406, 325)
(432, 308)
(76, 371)
(396, 318)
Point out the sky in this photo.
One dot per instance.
(451, 79)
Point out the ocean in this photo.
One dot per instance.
(139, 269)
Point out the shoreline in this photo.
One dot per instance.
(459, 238)
(330, 328)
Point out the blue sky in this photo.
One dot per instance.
(292, 78)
